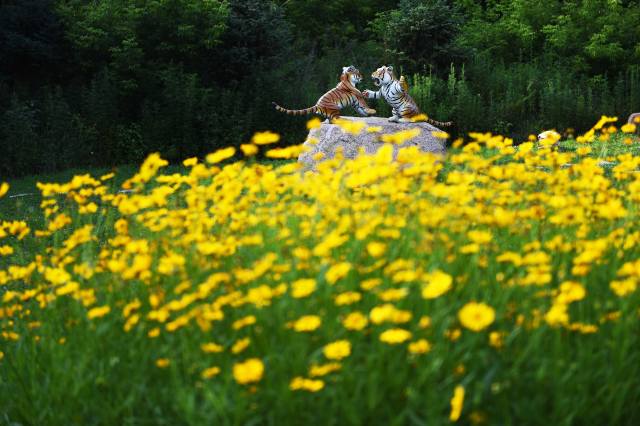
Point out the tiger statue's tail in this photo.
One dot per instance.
(305, 111)
(440, 123)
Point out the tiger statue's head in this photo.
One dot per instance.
(383, 76)
(351, 75)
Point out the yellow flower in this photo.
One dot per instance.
(418, 347)
(337, 271)
(470, 248)
(249, 149)
(286, 153)
(4, 188)
(389, 313)
(438, 283)
(240, 345)
(347, 298)
(393, 294)
(220, 155)
(314, 123)
(623, 288)
(162, 362)
(628, 128)
(300, 383)
(570, 292)
(370, 284)
(98, 312)
(249, 371)
(148, 169)
(480, 237)
(10, 335)
(583, 150)
(210, 372)
(355, 321)
(440, 135)
(6, 250)
(243, 322)
(190, 162)
(265, 138)
(476, 316)
(557, 315)
(496, 339)
(303, 287)
(211, 347)
(583, 328)
(510, 256)
(323, 370)
(401, 136)
(337, 350)
(154, 332)
(376, 249)
(302, 253)
(349, 126)
(307, 323)
(456, 403)
(395, 336)
(131, 322)
(331, 241)
(130, 307)
(604, 120)
(425, 322)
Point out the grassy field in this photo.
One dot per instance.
(497, 287)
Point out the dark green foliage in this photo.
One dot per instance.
(183, 103)
(327, 24)
(593, 37)
(521, 99)
(18, 126)
(32, 46)
(420, 34)
(257, 38)
(131, 36)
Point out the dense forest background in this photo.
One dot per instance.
(105, 82)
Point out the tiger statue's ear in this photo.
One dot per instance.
(390, 68)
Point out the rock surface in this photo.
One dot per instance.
(331, 136)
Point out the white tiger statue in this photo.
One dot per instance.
(396, 93)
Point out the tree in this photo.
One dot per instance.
(257, 40)
(32, 45)
(330, 23)
(133, 37)
(420, 33)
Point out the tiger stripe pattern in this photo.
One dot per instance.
(396, 93)
(331, 103)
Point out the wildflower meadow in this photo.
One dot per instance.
(495, 286)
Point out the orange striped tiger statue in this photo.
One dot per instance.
(396, 93)
(343, 95)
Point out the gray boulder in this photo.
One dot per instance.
(328, 137)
